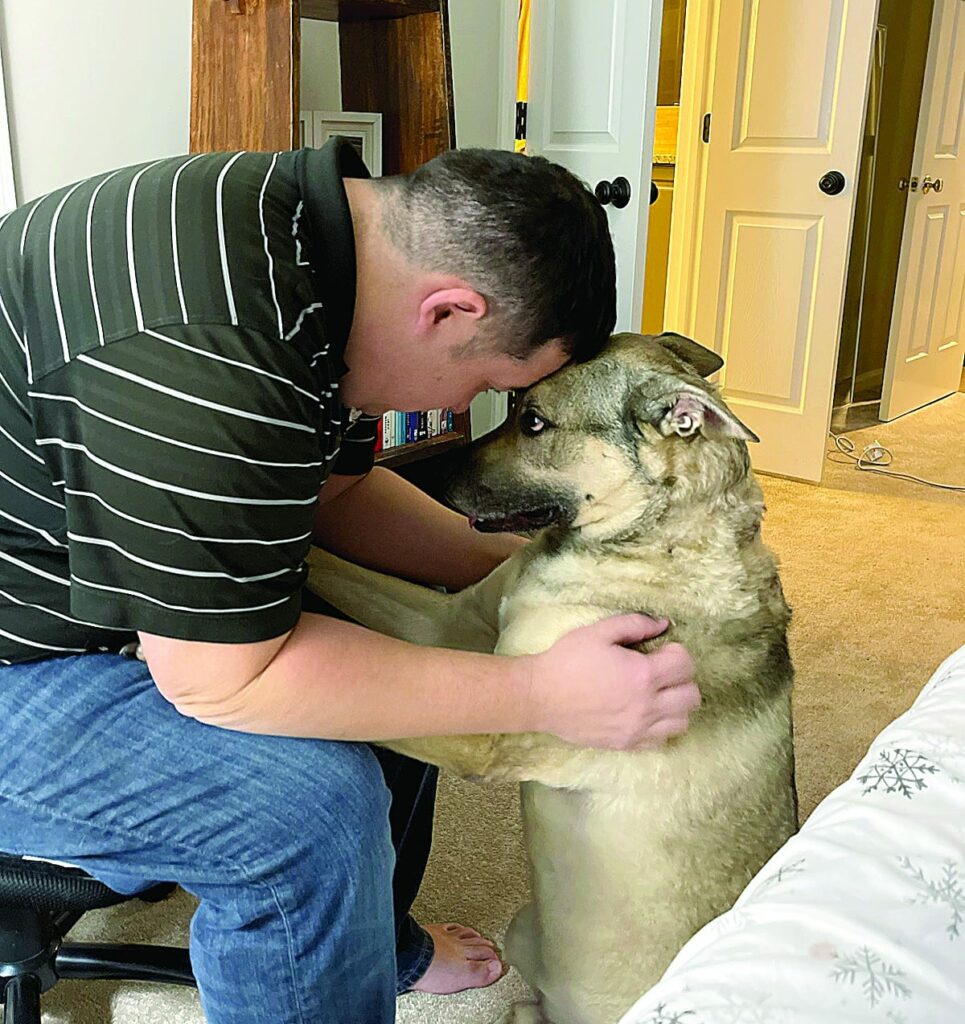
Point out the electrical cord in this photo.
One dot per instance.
(874, 457)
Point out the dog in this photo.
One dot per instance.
(638, 477)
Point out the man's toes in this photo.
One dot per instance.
(480, 952)
(462, 932)
(485, 972)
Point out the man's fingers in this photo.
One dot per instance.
(670, 665)
(630, 629)
(663, 730)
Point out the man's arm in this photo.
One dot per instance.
(383, 522)
(328, 679)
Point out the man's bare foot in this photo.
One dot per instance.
(463, 959)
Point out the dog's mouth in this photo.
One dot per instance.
(525, 519)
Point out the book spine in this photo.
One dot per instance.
(379, 439)
(423, 426)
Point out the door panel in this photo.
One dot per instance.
(596, 116)
(808, 39)
(925, 347)
(786, 96)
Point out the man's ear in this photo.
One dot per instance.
(691, 411)
(443, 303)
(704, 360)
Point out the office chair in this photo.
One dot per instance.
(39, 903)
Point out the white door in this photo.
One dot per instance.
(767, 250)
(924, 361)
(591, 106)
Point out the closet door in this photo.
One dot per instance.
(244, 75)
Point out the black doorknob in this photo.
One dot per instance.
(616, 192)
(832, 183)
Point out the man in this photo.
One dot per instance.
(183, 348)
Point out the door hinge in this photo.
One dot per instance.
(705, 132)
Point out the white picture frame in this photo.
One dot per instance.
(361, 129)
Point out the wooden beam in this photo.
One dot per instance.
(365, 10)
(397, 67)
(244, 75)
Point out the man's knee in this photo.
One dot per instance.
(321, 800)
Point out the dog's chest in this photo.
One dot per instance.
(559, 592)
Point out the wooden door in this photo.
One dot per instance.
(924, 361)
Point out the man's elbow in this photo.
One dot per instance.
(213, 683)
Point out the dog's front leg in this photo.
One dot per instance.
(467, 620)
(506, 757)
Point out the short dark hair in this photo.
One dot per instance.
(524, 232)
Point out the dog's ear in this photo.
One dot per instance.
(704, 360)
(688, 411)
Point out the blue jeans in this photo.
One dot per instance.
(287, 843)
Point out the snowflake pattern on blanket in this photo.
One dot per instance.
(876, 977)
(898, 771)
(944, 891)
(663, 1015)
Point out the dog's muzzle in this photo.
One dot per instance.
(526, 519)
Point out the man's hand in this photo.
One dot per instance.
(589, 689)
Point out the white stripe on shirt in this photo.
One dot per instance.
(90, 257)
(32, 568)
(264, 235)
(181, 533)
(301, 316)
(135, 294)
(174, 233)
(232, 362)
(44, 647)
(23, 448)
(177, 607)
(26, 223)
(13, 330)
(221, 240)
(161, 485)
(43, 533)
(50, 611)
(173, 569)
(13, 394)
(53, 272)
(23, 487)
(169, 440)
(192, 399)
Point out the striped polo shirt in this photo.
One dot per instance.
(171, 341)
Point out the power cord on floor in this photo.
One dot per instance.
(876, 456)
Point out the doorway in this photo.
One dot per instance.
(884, 180)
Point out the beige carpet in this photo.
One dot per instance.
(874, 570)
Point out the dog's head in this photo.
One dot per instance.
(609, 443)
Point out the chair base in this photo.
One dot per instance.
(33, 959)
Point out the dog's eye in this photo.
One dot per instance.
(531, 423)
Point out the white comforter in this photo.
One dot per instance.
(859, 918)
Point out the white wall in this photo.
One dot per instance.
(92, 85)
(475, 36)
(321, 76)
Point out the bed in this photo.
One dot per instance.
(860, 917)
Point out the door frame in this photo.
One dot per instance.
(8, 192)
(690, 171)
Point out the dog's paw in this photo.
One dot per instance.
(523, 1013)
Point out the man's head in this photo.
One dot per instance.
(480, 269)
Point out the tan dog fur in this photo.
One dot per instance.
(630, 853)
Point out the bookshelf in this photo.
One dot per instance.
(395, 61)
